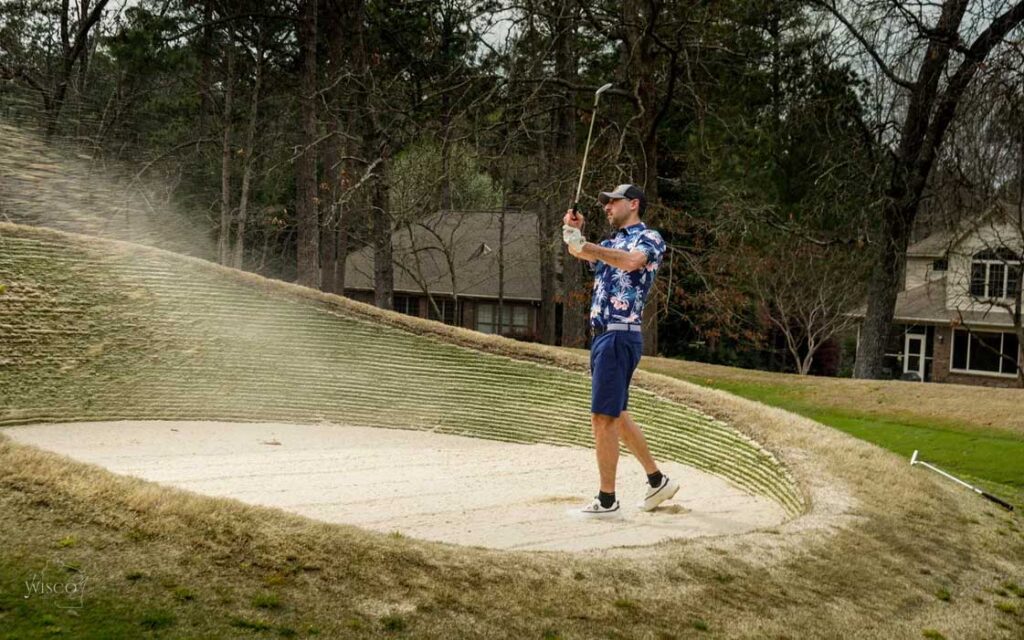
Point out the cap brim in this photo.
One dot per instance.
(605, 196)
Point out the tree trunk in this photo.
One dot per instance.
(329, 220)
(575, 290)
(884, 286)
(308, 241)
(641, 65)
(342, 241)
(224, 238)
(501, 272)
(383, 265)
(347, 55)
(445, 198)
(250, 144)
(332, 265)
(83, 69)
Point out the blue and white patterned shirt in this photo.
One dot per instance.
(619, 295)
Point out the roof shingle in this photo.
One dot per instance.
(470, 240)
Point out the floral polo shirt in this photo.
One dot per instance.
(619, 295)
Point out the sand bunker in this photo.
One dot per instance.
(437, 487)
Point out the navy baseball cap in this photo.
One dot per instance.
(626, 191)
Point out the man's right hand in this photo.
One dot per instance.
(573, 219)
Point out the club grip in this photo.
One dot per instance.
(1002, 503)
(575, 210)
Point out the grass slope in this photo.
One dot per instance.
(984, 443)
(877, 550)
(131, 332)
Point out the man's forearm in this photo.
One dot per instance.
(625, 260)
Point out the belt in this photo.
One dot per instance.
(615, 326)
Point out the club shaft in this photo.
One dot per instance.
(586, 150)
(951, 477)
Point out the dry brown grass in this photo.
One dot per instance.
(876, 543)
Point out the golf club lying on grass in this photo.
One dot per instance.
(586, 149)
(985, 494)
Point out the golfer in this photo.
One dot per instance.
(624, 269)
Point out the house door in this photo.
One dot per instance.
(913, 354)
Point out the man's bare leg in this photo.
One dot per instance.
(606, 441)
(630, 433)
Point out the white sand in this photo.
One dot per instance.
(436, 487)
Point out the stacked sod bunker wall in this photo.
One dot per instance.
(94, 329)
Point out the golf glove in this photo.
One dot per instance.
(573, 237)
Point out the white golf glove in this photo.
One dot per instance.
(573, 237)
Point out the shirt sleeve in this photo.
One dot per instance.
(653, 246)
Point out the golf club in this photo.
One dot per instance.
(986, 495)
(586, 149)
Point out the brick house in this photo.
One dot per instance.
(495, 259)
(946, 327)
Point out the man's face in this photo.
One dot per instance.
(619, 210)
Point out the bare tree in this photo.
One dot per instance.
(946, 58)
(73, 49)
(805, 293)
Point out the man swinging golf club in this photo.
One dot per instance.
(624, 270)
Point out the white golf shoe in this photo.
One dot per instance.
(659, 494)
(595, 510)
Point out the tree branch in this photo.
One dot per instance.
(868, 47)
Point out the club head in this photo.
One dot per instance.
(913, 458)
(603, 89)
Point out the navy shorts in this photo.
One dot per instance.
(614, 356)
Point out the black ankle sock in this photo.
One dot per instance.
(654, 478)
(607, 499)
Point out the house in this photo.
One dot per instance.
(461, 267)
(948, 325)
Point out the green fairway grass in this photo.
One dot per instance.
(987, 457)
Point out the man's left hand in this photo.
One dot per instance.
(573, 237)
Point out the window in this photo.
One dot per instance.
(978, 278)
(995, 274)
(409, 305)
(940, 265)
(447, 308)
(515, 318)
(960, 350)
(985, 352)
(1013, 280)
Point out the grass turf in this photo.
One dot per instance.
(878, 551)
(972, 449)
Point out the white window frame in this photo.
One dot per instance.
(1006, 264)
(976, 372)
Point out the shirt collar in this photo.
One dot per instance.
(633, 228)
